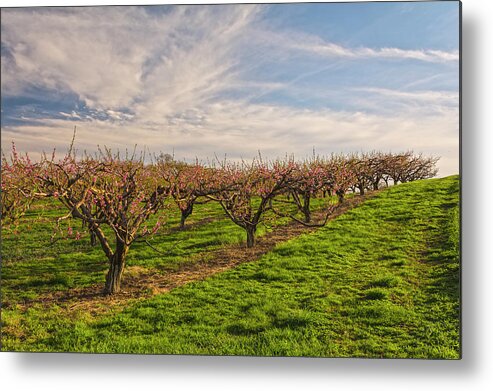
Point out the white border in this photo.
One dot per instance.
(473, 372)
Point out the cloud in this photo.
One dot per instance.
(72, 115)
(121, 57)
(417, 103)
(450, 98)
(79, 52)
(312, 44)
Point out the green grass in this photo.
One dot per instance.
(379, 281)
(32, 265)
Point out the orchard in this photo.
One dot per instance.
(116, 195)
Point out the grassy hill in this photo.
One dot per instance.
(381, 280)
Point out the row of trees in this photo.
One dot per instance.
(117, 194)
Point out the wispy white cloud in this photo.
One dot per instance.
(422, 55)
(314, 45)
(446, 97)
(418, 103)
(72, 115)
(120, 57)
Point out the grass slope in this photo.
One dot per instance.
(380, 281)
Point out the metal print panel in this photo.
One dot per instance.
(243, 179)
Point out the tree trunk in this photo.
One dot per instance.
(306, 208)
(184, 214)
(250, 230)
(340, 196)
(361, 189)
(117, 264)
(375, 185)
(94, 239)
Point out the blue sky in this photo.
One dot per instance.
(234, 79)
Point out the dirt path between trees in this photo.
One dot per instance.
(139, 283)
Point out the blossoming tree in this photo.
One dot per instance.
(18, 186)
(186, 183)
(245, 191)
(108, 191)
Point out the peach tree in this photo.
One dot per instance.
(113, 196)
(245, 191)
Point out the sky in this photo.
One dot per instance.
(200, 81)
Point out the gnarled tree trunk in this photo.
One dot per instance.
(184, 215)
(94, 239)
(250, 230)
(306, 208)
(340, 196)
(117, 265)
